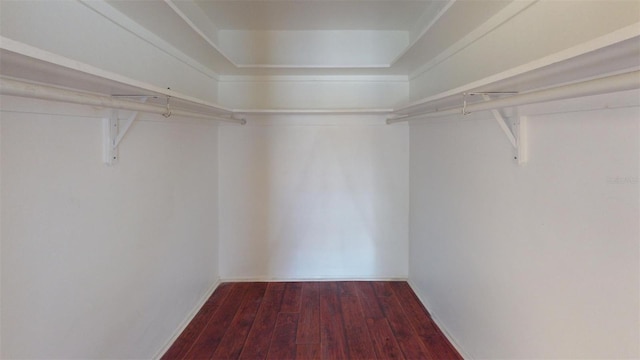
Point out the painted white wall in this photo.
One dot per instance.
(538, 261)
(544, 28)
(315, 197)
(73, 30)
(1, 337)
(97, 261)
(314, 93)
(336, 48)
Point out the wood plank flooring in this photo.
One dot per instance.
(312, 320)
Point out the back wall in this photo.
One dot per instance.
(324, 197)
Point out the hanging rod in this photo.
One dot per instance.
(25, 89)
(609, 84)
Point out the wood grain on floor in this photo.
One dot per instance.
(312, 320)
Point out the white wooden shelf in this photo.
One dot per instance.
(31, 64)
(614, 53)
(604, 65)
(31, 72)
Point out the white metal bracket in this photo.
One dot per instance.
(113, 133)
(515, 130)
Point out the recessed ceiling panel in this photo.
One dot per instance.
(314, 14)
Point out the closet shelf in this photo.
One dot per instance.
(22, 62)
(19, 61)
(612, 54)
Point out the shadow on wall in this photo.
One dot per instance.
(313, 201)
(323, 221)
(311, 196)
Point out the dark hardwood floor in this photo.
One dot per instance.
(312, 320)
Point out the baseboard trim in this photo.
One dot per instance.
(187, 320)
(276, 279)
(437, 321)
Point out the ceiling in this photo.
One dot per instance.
(289, 15)
(309, 37)
(254, 47)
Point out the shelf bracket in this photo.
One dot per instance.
(515, 130)
(113, 133)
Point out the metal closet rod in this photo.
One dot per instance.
(609, 84)
(25, 89)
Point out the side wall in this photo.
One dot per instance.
(316, 197)
(98, 261)
(540, 261)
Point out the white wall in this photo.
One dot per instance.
(336, 48)
(321, 92)
(313, 197)
(97, 261)
(538, 261)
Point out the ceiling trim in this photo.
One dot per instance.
(121, 20)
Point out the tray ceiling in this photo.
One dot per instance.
(317, 15)
(307, 37)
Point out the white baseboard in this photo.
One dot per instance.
(442, 328)
(278, 279)
(187, 320)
